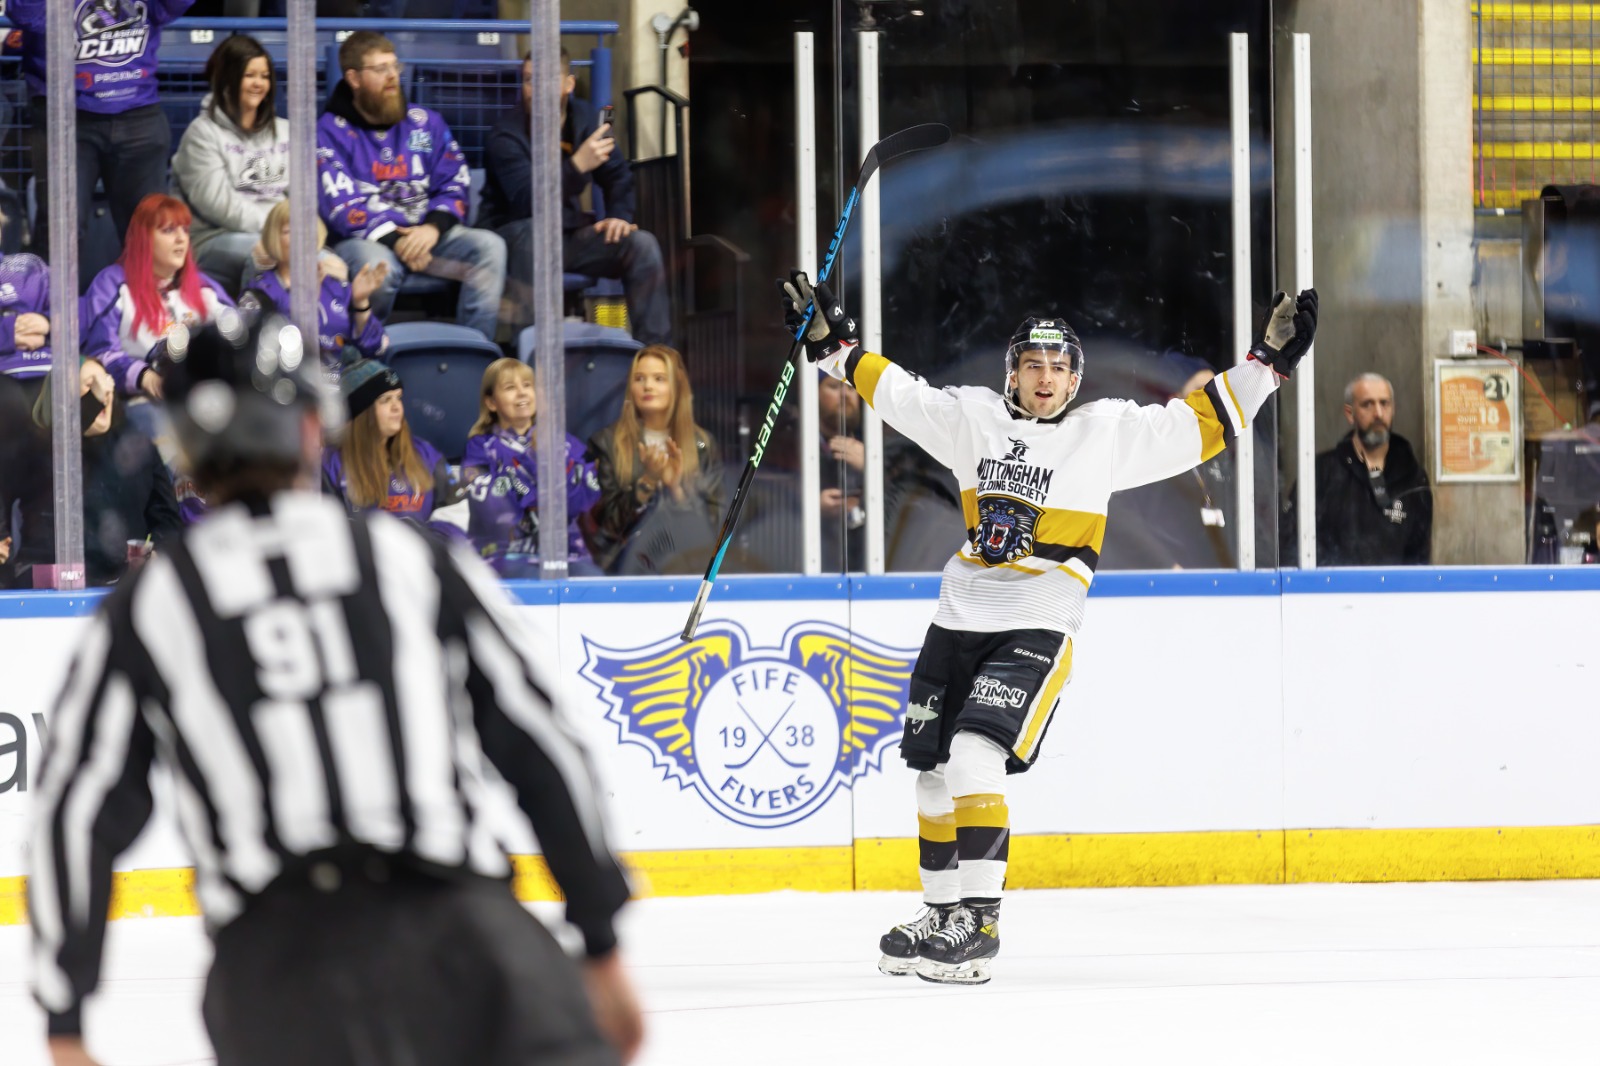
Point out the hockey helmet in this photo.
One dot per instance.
(1043, 334)
(238, 389)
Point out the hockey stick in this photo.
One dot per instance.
(913, 139)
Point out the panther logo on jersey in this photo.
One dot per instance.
(1005, 529)
(764, 735)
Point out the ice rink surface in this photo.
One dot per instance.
(1505, 972)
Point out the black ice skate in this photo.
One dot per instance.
(959, 953)
(899, 945)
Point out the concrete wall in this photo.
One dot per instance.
(1392, 151)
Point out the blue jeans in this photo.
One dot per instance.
(474, 257)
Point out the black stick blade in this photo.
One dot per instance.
(911, 139)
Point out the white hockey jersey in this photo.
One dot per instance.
(1034, 495)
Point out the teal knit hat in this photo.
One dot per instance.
(363, 382)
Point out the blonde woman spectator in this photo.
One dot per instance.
(660, 480)
(347, 328)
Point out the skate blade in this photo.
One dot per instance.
(897, 967)
(975, 972)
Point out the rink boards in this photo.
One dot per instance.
(1358, 725)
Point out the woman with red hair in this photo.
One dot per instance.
(154, 285)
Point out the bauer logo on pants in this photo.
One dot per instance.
(766, 736)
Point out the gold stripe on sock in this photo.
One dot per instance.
(983, 809)
(940, 829)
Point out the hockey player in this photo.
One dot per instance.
(1035, 482)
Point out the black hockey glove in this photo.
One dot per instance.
(833, 334)
(1287, 333)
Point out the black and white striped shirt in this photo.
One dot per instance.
(313, 681)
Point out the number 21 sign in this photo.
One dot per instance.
(1478, 408)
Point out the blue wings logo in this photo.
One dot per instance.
(766, 736)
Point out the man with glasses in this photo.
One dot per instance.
(1374, 506)
(609, 247)
(393, 187)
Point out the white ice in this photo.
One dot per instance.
(1503, 972)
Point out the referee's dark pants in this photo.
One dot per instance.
(352, 964)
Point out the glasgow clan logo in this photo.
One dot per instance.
(1005, 529)
(766, 736)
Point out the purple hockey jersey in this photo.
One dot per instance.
(24, 287)
(503, 501)
(333, 319)
(372, 181)
(404, 500)
(105, 320)
(117, 45)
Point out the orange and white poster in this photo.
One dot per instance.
(1478, 411)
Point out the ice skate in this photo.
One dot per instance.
(959, 954)
(899, 945)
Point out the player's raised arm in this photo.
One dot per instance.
(1156, 442)
(913, 407)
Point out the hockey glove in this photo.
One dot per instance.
(832, 335)
(1287, 333)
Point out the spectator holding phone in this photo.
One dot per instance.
(609, 247)
(128, 499)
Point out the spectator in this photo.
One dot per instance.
(24, 318)
(132, 303)
(502, 469)
(660, 483)
(844, 457)
(127, 491)
(232, 165)
(610, 247)
(124, 138)
(394, 187)
(347, 328)
(378, 465)
(1374, 507)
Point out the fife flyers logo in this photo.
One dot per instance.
(765, 736)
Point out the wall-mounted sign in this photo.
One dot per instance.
(1478, 420)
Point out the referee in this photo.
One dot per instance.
(335, 697)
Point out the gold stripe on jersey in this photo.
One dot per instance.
(986, 809)
(1244, 423)
(1213, 436)
(867, 373)
(1071, 529)
(940, 829)
(1044, 704)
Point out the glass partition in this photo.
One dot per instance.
(1091, 177)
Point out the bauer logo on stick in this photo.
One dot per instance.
(765, 736)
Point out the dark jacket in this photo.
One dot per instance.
(508, 155)
(660, 535)
(1355, 528)
(127, 495)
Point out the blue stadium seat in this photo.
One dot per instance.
(441, 365)
(597, 361)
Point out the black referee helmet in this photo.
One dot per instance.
(238, 390)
